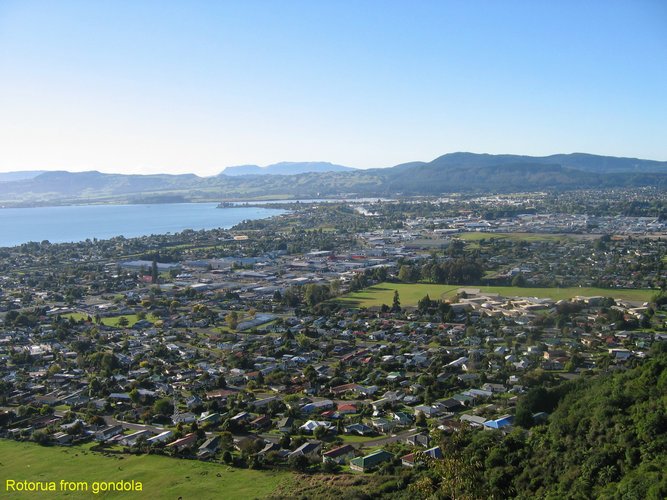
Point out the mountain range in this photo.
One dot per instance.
(454, 172)
(286, 168)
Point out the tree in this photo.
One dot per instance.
(53, 369)
(163, 407)
(407, 274)
(330, 467)
(456, 248)
(310, 373)
(285, 441)
(334, 287)
(154, 272)
(134, 395)
(424, 304)
(232, 320)
(123, 322)
(320, 432)
(298, 462)
(523, 416)
(41, 437)
(519, 280)
(315, 294)
(458, 477)
(396, 304)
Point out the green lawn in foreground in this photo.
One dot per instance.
(410, 294)
(161, 477)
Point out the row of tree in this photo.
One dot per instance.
(460, 271)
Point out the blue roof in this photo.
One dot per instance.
(500, 422)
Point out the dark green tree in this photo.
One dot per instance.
(396, 303)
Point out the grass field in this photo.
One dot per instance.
(110, 321)
(410, 294)
(161, 477)
(476, 236)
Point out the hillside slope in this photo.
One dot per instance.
(456, 172)
(606, 437)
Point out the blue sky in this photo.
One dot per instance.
(193, 86)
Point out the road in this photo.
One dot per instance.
(388, 439)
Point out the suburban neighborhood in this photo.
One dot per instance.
(329, 337)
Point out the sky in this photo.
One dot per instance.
(139, 86)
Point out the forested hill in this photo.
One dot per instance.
(455, 172)
(605, 438)
(577, 161)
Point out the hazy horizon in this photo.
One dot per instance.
(112, 171)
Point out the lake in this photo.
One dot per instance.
(78, 223)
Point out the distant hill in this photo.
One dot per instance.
(504, 173)
(455, 172)
(59, 187)
(286, 168)
(578, 161)
(19, 176)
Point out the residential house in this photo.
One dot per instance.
(135, 437)
(317, 406)
(183, 418)
(185, 442)
(411, 459)
(309, 449)
(360, 429)
(339, 455)
(473, 420)
(402, 418)
(108, 432)
(311, 425)
(382, 424)
(369, 462)
(419, 439)
(62, 438)
(499, 423)
(261, 422)
(160, 438)
(346, 408)
(209, 447)
(209, 418)
(285, 424)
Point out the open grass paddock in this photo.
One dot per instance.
(161, 477)
(411, 293)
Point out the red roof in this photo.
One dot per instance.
(341, 450)
(347, 407)
(219, 393)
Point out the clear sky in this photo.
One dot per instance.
(141, 86)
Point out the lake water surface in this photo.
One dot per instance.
(78, 223)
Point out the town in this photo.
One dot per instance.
(341, 337)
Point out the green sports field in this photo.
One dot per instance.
(476, 236)
(410, 294)
(111, 320)
(161, 477)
